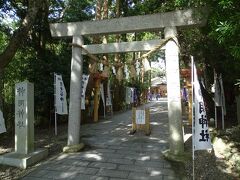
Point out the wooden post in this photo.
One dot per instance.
(134, 125)
(147, 122)
(145, 127)
(96, 99)
(189, 86)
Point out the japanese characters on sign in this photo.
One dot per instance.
(129, 95)
(201, 136)
(140, 116)
(108, 97)
(60, 96)
(20, 105)
(83, 89)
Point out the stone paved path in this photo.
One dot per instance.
(113, 154)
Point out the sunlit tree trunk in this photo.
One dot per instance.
(117, 60)
(98, 16)
(21, 33)
(1, 90)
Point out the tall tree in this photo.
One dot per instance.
(19, 35)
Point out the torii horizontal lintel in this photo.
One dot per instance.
(179, 18)
(134, 46)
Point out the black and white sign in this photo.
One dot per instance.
(2, 123)
(84, 87)
(140, 116)
(201, 136)
(60, 96)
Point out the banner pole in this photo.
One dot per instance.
(55, 123)
(55, 112)
(215, 107)
(193, 118)
(222, 118)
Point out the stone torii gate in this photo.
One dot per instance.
(169, 21)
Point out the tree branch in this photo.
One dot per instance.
(21, 33)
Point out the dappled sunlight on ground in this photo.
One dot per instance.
(112, 152)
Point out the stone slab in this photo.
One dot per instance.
(189, 17)
(103, 165)
(134, 168)
(21, 160)
(113, 173)
(143, 176)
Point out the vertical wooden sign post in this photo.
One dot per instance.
(141, 120)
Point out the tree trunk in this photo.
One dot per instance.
(21, 33)
(96, 39)
(117, 60)
(1, 90)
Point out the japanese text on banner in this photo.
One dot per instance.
(202, 138)
(84, 87)
(60, 96)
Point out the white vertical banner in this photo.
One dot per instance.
(101, 67)
(132, 95)
(83, 91)
(222, 95)
(102, 95)
(219, 97)
(201, 134)
(60, 96)
(217, 91)
(114, 70)
(137, 65)
(109, 97)
(2, 123)
(126, 71)
(140, 116)
(127, 95)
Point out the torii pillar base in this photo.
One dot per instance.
(23, 160)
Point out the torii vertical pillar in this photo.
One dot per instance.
(173, 91)
(75, 93)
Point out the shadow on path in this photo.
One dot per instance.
(111, 153)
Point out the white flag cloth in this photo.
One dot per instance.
(83, 89)
(222, 94)
(101, 67)
(146, 64)
(102, 94)
(201, 134)
(129, 95)
(217, 91)
(137, 67)
(60, 96)
(126, 71)
(103, 98)
(2, 123)
(109, 97)
(132, 95)
(114, 70)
